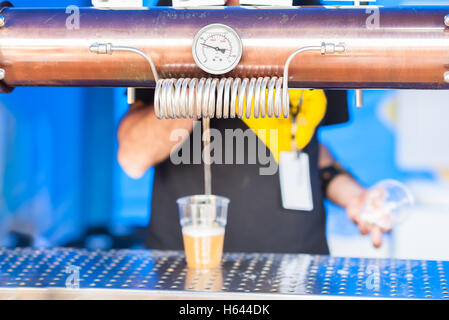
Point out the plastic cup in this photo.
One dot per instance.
(203, 220)
(386, 204)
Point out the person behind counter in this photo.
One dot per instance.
(258, 221)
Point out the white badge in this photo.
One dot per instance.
(294, 176)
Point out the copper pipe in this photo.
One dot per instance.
(410, 48)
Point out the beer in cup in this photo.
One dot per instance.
(203, 221)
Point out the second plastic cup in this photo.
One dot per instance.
(386, 204)
(203, 220)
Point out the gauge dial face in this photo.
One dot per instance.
(217, 48)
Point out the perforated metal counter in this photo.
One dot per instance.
(145, 274)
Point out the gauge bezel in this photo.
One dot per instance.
(198, 61)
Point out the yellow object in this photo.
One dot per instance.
(312, 111)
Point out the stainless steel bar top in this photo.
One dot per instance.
(149, 274)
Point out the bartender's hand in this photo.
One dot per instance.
(346, 192)
(145, 140)
(354, 210)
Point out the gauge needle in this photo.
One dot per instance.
(216, 48)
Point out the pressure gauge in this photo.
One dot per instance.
(217, 48)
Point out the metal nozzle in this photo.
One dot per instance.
(359, 98)
(340, 48)
(101, 48)
(330, 48)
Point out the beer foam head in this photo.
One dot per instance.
(203, 231)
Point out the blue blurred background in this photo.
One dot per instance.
(60, 183)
